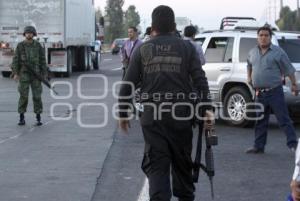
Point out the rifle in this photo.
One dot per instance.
(36, 75)
(211, 140)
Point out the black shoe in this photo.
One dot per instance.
(39, 123)
(190, 198)
(22, 120)
(292, 149)
(38, 120)
(254, 150)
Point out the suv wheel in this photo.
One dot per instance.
(295, 118)
(96, 60)
(235, 106)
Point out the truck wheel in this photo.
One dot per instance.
(295, 118)
(83, 59)
(96, 61)
(6, 73)
(90, 63)
(235, 107)
(69, 63)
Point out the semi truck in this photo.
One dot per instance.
(65, 28)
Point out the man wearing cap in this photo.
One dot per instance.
(29, 54)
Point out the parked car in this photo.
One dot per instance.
(117, 45)
(226, 53)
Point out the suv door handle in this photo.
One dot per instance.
(225, 69)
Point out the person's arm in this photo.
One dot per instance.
(123, 51)
(249, 72)
(201, 55)
(133, 75)
(15, 66)
(294, 87)
(200, 83)
(198, 76)
(287, 69)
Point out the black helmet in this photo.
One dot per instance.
(29, 29)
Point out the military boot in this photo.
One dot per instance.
(38, 120)
(184, 199)
(22, 120)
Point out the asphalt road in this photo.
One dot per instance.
(74, 160)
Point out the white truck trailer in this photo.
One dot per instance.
(66, 28)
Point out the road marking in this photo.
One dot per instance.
(107, 59)
(19, 135)
(144, 194)
(10, 138)
(115, 69)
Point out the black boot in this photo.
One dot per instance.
(22, 120)
(38, 120)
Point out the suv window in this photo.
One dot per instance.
(219, 50)
(246, 44)
(199, 41)
(292, 48)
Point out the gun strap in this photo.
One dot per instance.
(131, 50)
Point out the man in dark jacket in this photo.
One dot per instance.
(169, 71)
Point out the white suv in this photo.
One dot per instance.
(226, 53)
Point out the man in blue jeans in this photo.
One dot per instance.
(267, 64)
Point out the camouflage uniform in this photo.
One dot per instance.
(35, 58)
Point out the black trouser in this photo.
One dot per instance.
(168, 146)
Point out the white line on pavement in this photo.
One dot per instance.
(107, 59)
(144, 194)
(115, 69)
(10, 138)
(17, 136)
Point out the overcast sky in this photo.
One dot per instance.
(208, 13)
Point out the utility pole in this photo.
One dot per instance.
(269, 10)
(275, 10)
(298, 14)
(272, 10)
(281, 7)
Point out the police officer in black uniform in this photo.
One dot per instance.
(169, 70)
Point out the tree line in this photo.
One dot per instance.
(115, 21)
(289, 20)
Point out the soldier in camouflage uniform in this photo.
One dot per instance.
(32, 53)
